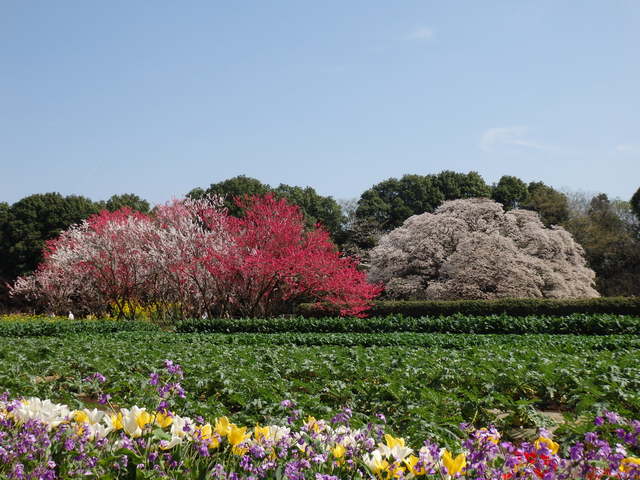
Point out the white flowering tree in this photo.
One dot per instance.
(472, 249)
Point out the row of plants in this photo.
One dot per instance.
(428, 388)
(576, 324)
(46, 440)
(567, 343)
(579, 324)
(515, 307)
(16, 326)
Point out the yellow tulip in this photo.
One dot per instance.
(550, 444)
(376, 463)
(393, 442)
(313, 424)
(206, 433)
(395, 471)
(237, 435)
(411, 462)
(143, 419)
(223, 426)
(454, 466)
(261, 433)
(163, 420)
(630, 463)
(116, 421)
(338, 451)
(80, 417)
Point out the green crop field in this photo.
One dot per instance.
(424, 383)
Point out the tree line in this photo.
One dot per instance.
(608, 230)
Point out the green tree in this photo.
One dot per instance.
(35, 219)
(635, 203)
(624, 211)
(389, 203)
(454, 185)
(134, 202)
(4, 229)
(230, 189)
(316, 208)
(510, 191)
(4, 273)
(551, 205)
(611, 249)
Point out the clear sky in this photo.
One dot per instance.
(156, 98)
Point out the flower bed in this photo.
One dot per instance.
(40, 439)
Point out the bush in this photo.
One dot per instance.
(579, 324)
(514, 307)
(567, 343)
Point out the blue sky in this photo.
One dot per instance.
(158, 97)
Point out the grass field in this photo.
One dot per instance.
(424, 383)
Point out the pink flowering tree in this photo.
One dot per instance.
(189, 231)
(100, 263)
(192, 257)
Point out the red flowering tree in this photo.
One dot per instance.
(275, 263)
(192, 255)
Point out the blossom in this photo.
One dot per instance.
(547, 443)
(223, 426)
(630, 464)
(453, 466)
(237, 435)
(45, 411)
(338, 451)
(93, 443)
(134, 420)
(375, 462)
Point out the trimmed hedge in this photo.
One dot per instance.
(56, 328)
(515, 307)
(578, 324)
(566, 343)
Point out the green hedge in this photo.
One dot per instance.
(514, 307)
(567, 343)
(580, 324)
(55, 328)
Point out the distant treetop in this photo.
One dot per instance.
(316, 208)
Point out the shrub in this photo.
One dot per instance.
(578, 324)
(514, 307)
(62, 327)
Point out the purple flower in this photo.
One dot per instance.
(343, 417)
(154, 378)
(96, 376)
(173, 368)
(612, 417)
